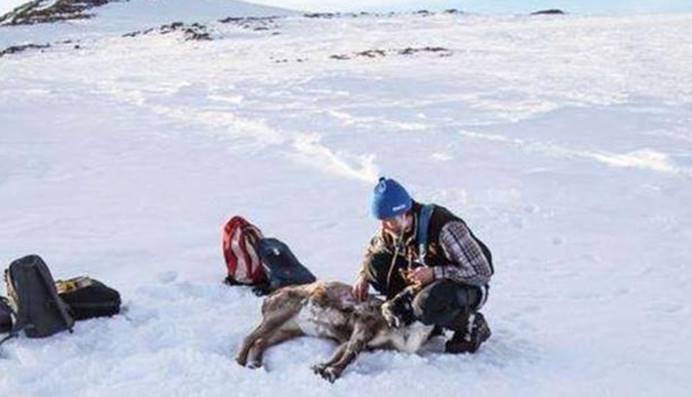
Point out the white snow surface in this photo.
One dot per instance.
(9, 5)
(564, 142)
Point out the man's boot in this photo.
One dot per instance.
(469, 333)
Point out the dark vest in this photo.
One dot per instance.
(435, 256)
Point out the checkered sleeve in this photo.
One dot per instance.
(468, 264)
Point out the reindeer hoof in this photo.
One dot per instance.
(241, 360)
(318, 368)
(254, 364)
(329, 373)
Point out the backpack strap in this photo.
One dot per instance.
(16, 328)
(422, 231)
(13, 333)
(60, 305)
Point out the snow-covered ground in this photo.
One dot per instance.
(9, 5)
(565, 142)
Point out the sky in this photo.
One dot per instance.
(479, 6)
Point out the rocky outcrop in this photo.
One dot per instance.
(553, 11)
(330, 15)
(253, 23)
(377, 53)
(422, 13)
(44, 11)
(191, 32)
(20, 48)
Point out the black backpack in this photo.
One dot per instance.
(88, 298)
(281, 267)
(38, 309)
(6, 315)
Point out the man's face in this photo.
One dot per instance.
(398, 224)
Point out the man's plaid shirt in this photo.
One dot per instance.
(469, 265)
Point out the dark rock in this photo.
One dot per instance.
(328, 15)
(411, 50)
(195, 31)
(553, 11)
(286, 60)
(371, 53)
(253, 23)
(239, 20)
(452, 11)
(191, 34)
(171, 27)
(331, 15)
(20, 48)
(45, 11)
(435, 49)
(231, 19)
(377, 53)
(138, 32)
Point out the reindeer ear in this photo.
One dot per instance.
(393, 321)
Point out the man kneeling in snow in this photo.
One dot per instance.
(452, 271)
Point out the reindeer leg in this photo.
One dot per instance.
(257, 349)
(267, 327)
(241, 356)
(320, 367)
(359, 340)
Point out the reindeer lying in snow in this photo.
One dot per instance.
(329, 310)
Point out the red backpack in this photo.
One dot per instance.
(240, 240)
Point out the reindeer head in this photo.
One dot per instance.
(398, 311)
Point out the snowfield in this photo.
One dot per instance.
(565, 143)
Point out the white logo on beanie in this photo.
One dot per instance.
(399, 207)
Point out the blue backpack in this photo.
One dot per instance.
(280, 266)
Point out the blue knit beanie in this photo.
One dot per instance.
(390, 199)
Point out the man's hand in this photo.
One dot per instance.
(360, 289)
(422, 275)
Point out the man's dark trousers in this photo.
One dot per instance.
(442, 302)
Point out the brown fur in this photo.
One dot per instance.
(326, 309)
